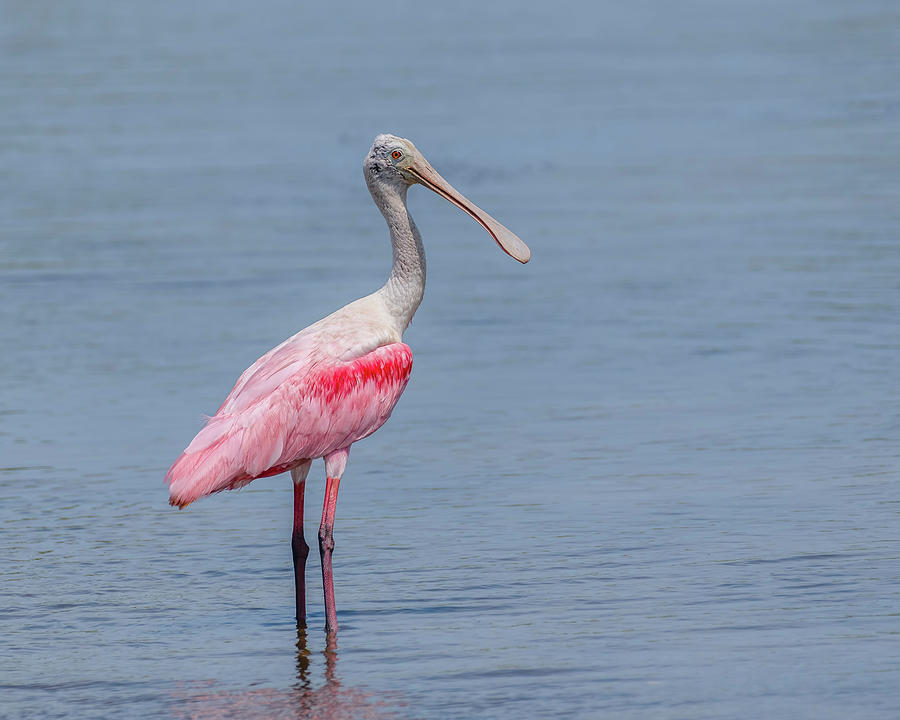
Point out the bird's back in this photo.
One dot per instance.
(322, 390)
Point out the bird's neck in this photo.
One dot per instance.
(405, 287)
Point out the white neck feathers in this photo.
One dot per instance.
(405, 287)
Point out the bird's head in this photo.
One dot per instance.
(388, 160)
(396, 163)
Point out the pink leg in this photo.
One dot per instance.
(298, 543)
(335, 463)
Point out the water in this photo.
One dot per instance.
(650, 474)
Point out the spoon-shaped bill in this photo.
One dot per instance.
(508, 241)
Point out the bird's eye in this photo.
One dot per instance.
(396, 154)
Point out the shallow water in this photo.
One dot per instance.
(650, 474)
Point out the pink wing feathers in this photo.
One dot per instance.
(291, 405)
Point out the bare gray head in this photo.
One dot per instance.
(394, 163)
(381, 166)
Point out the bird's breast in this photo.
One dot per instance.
(339, 404)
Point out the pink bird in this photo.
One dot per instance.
(333, 383)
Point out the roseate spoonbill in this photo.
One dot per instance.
(333, 383)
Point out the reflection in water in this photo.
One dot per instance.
(331, 701)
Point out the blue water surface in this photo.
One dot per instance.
(651, 474)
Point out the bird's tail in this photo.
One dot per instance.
(228, 453)
(208, 465)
